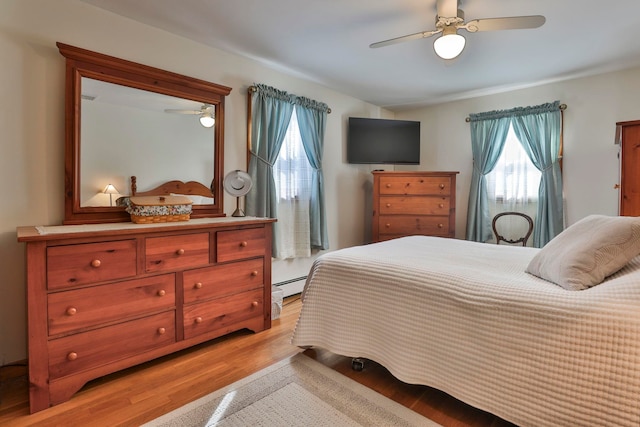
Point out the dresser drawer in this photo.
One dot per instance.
(176, 252)
(222, 313)
(222, 280)
(414, 225)
(73, 265)
(413, 205)
(415, 185)
(89, 307)
(99, 347)
(239, 244)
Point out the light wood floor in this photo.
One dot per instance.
(144, 392)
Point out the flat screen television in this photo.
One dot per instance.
(383, 141)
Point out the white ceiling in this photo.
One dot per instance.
(327, 41)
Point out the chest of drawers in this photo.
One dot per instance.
(413, 203)
(112, 296)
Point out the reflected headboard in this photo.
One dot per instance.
(191, 188)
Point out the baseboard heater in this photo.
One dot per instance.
(286, 282)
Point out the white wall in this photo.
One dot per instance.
(32, 124)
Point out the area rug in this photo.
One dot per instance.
(297, 391)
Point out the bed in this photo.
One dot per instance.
(472, 320)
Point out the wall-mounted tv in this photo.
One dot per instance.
(383, 141)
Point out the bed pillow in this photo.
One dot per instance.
(588, 251)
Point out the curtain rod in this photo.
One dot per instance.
(561, 106)
(253, 89)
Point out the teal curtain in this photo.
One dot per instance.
(271, 114)
(538, 129)
(312, 118)
(488, 135)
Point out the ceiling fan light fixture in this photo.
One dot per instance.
(207, 120)
(450, 44)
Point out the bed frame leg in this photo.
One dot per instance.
(357, 364)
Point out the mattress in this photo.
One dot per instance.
(465, 318)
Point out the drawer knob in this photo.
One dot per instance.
(254, 273)
(254, 304)
(243, 244)
(161, 331)
(72, 356)
(180, 252)
(388, 225)
(162, 293)
(440, 225)
(198, 285)
(198, 319)
(95, 263)
(388, 205)
(71, 311)
(388, 185)
(441, 205)
(442, 186)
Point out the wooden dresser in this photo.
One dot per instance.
(410, 203)
(104, 297)
(629, 140)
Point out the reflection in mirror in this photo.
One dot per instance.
(131, 132)
(152, 153)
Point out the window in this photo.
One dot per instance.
(514, 180)
(513, 185)
(293, 175)
(292, 171)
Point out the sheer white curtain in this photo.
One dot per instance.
(513, 185)
(293, 178)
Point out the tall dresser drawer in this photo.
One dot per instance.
(176, 252)
(89, 307)
(98, 347)
(81, 264)
(240, 244)
(222, 280)
(408, 225)
(415, 185)
(412, 205)
(222, 313)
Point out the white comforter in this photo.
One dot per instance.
(465, 318)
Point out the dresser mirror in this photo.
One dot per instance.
(126, 119)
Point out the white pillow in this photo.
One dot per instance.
(588, 251)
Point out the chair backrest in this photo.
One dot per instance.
(500, 237)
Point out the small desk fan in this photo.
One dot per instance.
(237, 183)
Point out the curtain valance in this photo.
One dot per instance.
(268, 91)
(516, 112)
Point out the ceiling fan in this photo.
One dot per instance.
(207, 114)
(450, 19)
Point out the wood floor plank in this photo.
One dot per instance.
(142, 393)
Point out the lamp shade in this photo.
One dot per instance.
(110, 189)
(450, 44)
(207, 120)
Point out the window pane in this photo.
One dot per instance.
(515, 179)
(292, 171)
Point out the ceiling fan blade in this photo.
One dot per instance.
(511, 23)
(403, 39)
(447, 8)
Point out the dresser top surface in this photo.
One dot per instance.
(50, 232)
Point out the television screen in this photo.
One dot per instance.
(383, 141)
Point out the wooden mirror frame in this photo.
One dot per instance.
(84, 63)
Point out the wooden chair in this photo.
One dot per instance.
(500, 237)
